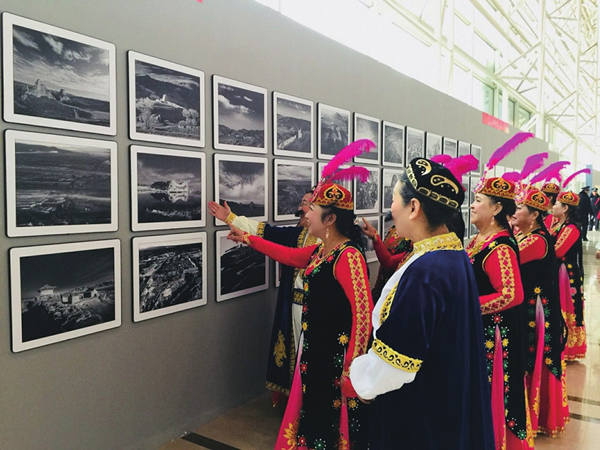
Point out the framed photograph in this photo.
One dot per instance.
(60, 184)
(366, 195)
(466, 217)
(168, 189)
(166, 101)
(64, 291)
(348, 184)
(473, 182)
(476, 152)
(393, 144)
(57, 78)
(390, 178)
(386, 224)
(415, 144)
(241, 181)
(366, 127)
(334, 130)
(240, 116)
(464, 148)
(169, 274)
(240, 269)
(450, 147)
(370, 255)
(293, 126)
(433, 145)
(292, 180)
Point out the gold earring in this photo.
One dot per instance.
(327, 233)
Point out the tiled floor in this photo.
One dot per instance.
(253, 426)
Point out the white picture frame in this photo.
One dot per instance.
(87, 276)
(450, 146)
(237, 106)
(390, 177)
(57, 78)
(178, 199)
(158, 292)
(366, 127)
(334, 130)
(60, 184)
(476, 152)
(292, 136)
(415, 144)
(464, 148)
(366, 195)
(433, 145)
(292, 180)
(393, 144)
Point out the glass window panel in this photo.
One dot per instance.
(462, 84)
(483, 96)
(511, 112)
(524, 117)
(483, 53)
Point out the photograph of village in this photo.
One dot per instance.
(59, 185)
(59, 79)
(241, 181)
(240, 116)
(170, 272)
(65, 293)
(292, 180)
(168, 189)
(366, 127)
(168, 101)
(293, 125)
(393, 144)
(240, 269)
(334, 130)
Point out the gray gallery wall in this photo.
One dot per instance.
(143, 384)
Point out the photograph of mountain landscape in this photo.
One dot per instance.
(240, 116)
(293, 125)
(366, 195)
(59, 184)
(241, 181)
(334, 130)
(433, 145)
(366, 127)
(393, 144)
(415, 144)
(166, 101)
(64, 291)
(292, 180)
(169, 274)
(450, 146)
(240, 269)
(167, 189)
(57, 78)
(390, 178)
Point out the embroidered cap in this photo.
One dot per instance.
(436, 182)
(551, 188)
(331, 194)
(532, 196)
(496, 187)
(568, 198)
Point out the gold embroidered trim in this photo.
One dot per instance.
(279, 350)
(508, 282)
(298, 298)
(361, 300)
(230, 218)
(276, 388)
(448, 241)
(260, 230)
(529, 240)
(562, 237)
(396, 359)
(387, 305)
(246, 238)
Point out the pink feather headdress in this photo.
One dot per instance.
(462, 165)
(550, 172)
(579, 172)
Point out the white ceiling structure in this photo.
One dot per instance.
(531, 63)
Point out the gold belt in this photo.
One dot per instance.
(298, 297)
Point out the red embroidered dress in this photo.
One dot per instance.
(336, 325)
(496, 267)
(390, 253)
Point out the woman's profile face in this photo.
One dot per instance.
(400, 212)
(523, 218)
(559, 209)
(482, 210)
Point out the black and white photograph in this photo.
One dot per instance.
(240, 116)
(393, 144)
(241, 181)
(476, 152)
(415, 144)
(293, 126)
(386, 222)
(368, 246)
(169, 274)
(292, 180)
(334, 130)
(366, 127)
(240, 269)
(450, 147)
(390, 178)
(64, 291)
(366, 195)
(57, 78)
(433, 145)
(466, 214)
(59, 184)
(168, 189)
(464, 148)
(166, 101)
(348, 184)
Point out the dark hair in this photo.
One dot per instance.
(435, 213)
(572, 214)
(344, 223)
(457, 225)
(540, 220)
(552, 196)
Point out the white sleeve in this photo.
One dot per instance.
(245, 224)
(598, 246)
(372, 376)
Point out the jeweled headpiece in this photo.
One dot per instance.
(497, 187)
(532, 196)
(331, 194)
(436, 182)
(568, 198)
(550, 188)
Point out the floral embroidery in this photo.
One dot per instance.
(279, 351)
(352, 404)
(337, 403)
(343, 339)
(290, 434)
